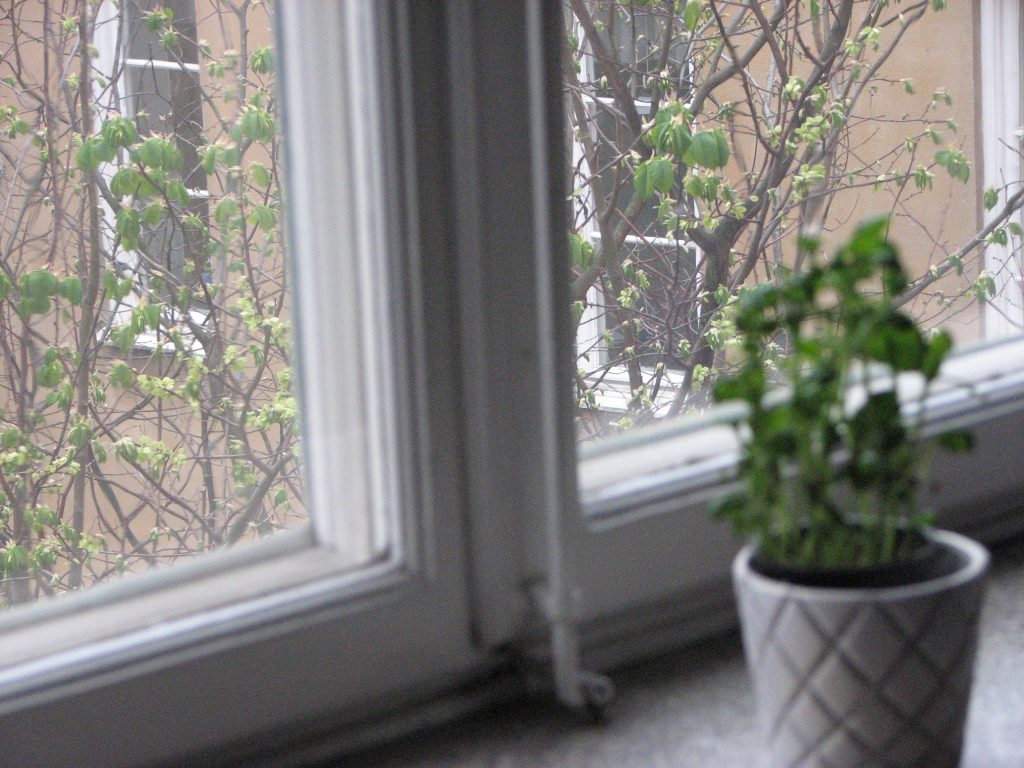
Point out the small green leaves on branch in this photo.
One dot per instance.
(580, 251)
(709, 149)
(119, 132)
(670, 133)
(656, 174)
(93, 153)
(158, 153)
(990, 199)
(38, 287)
(262, 61)
(955, 163)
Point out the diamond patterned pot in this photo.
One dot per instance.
(864, 678)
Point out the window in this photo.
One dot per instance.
(648, 548)
(378, 580)
(149, 66)
(444, 413)
(162, 89)
(701, 155)
(637, 318)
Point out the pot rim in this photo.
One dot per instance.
(976, 556)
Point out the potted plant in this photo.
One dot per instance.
(859, 620)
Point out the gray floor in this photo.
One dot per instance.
(694, 709)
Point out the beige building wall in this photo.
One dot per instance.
(936, 57)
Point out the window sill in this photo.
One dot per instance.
(257, 585)
(691, 459)
(151, 342)
(696, 707)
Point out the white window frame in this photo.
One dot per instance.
(285, 631)
(469, 457)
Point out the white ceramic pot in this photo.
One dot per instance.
(865, 678)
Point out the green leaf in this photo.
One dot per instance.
(708, 149)
(193, 223)
(121, 376)
(691, 15)
(93, 153)
(159, 153)
(111, 286)
(749, 385)
(670, 133)
(257, 124)
(262, 61)
(153, 213)
(955, 163)
(18, 128)
(150, 315)
(177, 192)
(51, 372)
(71, 289)
(155, 20)
(14, 558)
(126, 449)
(10, 438)
(260, 174)
(877, 426)
(694, 186)
(39, 283)
(998, 237)
(33, 305)
(128, 224)
(80, 435)
(119, 132)
(209, 159)
(894, 339)
(990, 199)
(957, 441)
(663, 174)
(580, 251)
(124, 337)
(642, 181)
(939, 346)
(264, 216)
(732, 505)
(225, 210)
(125, 183)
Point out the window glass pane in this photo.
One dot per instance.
(147, 397)
(170, 102)
(705, 138)
(634, 36)
(664, 315)
(174, 40)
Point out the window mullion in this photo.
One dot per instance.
(513, 295)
